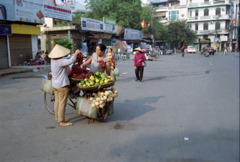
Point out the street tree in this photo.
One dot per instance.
(126, 12)
(157, 28)
(180, 32)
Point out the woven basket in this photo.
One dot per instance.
(96, 87)
(75, 80)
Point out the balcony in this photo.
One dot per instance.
(158, 1)
(209, 18)
(210, 3)
(162, 9)
(207, 32)
(163, 21)
(174, 7)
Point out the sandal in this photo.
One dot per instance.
(63, 121)
(65, 124)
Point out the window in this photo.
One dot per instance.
(196, 26)
(206, 12)
(205, 26)
(196, 13)
(218, 11)
(190, 13)
(206, 0)
(173, 15)
(205, 37)
(217, 25)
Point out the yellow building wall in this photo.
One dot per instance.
(24, 29)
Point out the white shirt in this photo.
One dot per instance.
(59, 71)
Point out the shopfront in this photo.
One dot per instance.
(23, 43)
(4, 52)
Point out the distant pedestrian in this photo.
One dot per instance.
(183, 49)
(225, 50)
(138, 61)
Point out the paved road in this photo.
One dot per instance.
(194, 97)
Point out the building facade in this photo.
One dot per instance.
(211, 21)
(168, 10)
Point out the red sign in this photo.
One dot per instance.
(234, 21)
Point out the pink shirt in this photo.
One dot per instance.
(139, 56)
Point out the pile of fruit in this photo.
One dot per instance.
(80, 72)
(102, 97)
(96, 79)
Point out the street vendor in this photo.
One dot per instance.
(112, 60)
(60, 81)
(97, 58)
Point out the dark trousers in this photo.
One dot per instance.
(139, 72)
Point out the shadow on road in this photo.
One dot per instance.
(131, 109)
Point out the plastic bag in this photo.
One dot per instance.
(115, 72)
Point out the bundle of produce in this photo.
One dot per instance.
(80, 72)
(96, 79)
(100, 100)
(102, 65)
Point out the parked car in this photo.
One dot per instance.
(191, 49)
(211, 51)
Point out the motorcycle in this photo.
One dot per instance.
(205, 52)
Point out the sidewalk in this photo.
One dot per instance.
(22, 69)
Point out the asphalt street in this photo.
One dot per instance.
(185, 110)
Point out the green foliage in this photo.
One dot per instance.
(66, 43)
(126, 12)
(76, 18)
(179, 31)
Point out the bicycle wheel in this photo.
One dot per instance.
(49, 101)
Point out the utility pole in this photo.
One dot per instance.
(69, 31)
(152, 25)
(231, 30)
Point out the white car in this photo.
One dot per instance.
(191, 49)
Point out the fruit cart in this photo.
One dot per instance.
(92, 97)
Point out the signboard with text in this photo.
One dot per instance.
(109, 25)
(91, 25)
(29, 11)
(5, 29)
(131, 34)
(7, 10)
(57, 11)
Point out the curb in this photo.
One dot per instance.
(15, 72)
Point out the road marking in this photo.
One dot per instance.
(210, 63)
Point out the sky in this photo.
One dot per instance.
(82, 1)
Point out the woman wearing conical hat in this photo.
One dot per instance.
(139, 58)
(60, 81)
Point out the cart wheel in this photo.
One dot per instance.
(49, 101)
(104, 114)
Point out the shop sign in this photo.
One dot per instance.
(91, 25)
(54, 10)
(203, 41)
(109, 25)
(29, 11)
(5, 29)
(131, 34)
(102, 36)
(7, 10)
(223, 38)
(216, 40)
(120, 29)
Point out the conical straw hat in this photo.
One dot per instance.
(58, 51)
(138, 49)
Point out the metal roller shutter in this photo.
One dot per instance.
(3, 53)
(20, 48)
